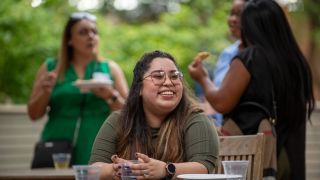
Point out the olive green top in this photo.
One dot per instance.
(201, 141)
(67, 104)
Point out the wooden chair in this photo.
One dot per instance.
(245, 147)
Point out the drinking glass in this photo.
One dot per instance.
(236, 168)
(87, 172)
(126, 173)
(61, 160)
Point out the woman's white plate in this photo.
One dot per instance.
(89, 84)
(208, 176)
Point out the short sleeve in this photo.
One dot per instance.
(246, 56)
(105, 143)
(201, 141)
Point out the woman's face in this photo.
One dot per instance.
(234, 18)
(162, 87)
(84, 38)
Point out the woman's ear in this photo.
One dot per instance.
(69, 43)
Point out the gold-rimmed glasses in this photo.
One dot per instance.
(158, 77)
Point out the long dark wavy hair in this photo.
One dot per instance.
(264, 24)
(134, 133)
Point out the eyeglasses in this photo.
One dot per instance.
(83, 15)
(158, 77)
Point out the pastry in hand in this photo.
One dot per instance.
(201, 56)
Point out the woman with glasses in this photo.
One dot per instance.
(160, 125)
(74, 115)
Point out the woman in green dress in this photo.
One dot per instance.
(54, 91)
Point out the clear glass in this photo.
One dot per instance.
(61, 160)
(126, 173)
(236, 168)
(87, 172)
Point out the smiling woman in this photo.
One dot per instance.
(160, 125)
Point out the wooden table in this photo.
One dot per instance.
(37, 174)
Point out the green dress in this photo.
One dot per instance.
(67, 104)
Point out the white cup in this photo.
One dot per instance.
(87, 172)
(236, 168)
(126, 172)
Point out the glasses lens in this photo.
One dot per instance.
(175, 76)
(158, 77)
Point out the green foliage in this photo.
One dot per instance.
(22, 41)
(182, 34)
(312, 8)
(29, 35)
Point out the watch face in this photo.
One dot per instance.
(171, 168)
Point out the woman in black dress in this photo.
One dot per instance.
(272, 72)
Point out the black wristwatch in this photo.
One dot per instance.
(171, 170)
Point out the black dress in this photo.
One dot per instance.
(260, 90)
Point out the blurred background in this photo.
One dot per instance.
(31, 30)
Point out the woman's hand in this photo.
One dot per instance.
(103, 92)
(196, 69)
(111, 170)
(47, 81)
(149, 168)
(111, 96)
(116, 166)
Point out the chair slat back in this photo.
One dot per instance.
(245, 147)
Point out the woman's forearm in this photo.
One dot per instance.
(41, 92)
(37, 105)
(107, 171)
(190, 168)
